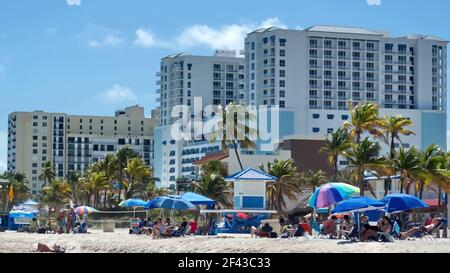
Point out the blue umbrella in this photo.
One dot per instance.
(402, 202)
(30, 203)
(133, 203)
(358, 204)
(169, 202)
(198, 199)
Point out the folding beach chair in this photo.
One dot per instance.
(391, 235)
(319, 230)
(429, 235)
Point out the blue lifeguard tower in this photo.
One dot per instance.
(249, 201)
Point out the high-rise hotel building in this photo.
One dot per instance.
(73, 142)
(217, 80)
(313, 75)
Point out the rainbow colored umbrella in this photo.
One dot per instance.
(330, 194)
(85, 209)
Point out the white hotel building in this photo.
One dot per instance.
(313, 75)
(73, 142)
(217, 80)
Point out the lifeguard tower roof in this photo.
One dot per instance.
(250, 174)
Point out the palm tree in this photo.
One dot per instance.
(123, 155)
(232, 130)
(287, 184)
(407, 163)
(393, 128)
(216, 167)
(56, 194)
(135, 171)
(108, 166)
(19, 183)
(48, 173)
(364, 118)
(152, 191)
(215, 187)
(363, 157)
(337, 142)
(73, 178)
(313, 179)
(347, 175)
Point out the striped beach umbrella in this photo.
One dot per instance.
(85, 210)
(331, 193)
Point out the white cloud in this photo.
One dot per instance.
(3, 151)
(73, 2)
(374, 2)
(222, 37)
(145, 38)
(109, 40)
(117, 94)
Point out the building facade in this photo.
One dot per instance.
(217, 80)
(315, 75)
(73, 142)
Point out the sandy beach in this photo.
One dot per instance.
(121, 242)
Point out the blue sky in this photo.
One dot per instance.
(94, 56)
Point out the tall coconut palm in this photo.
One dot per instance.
(434, 164)
(109, 166)
(233, 130)
(312, 179)
(47, 173)
(407, 164)
(287, 184)
(364, 118)
(56, 194)
(19, 183)
(215, 187)
(123, 155)
(364, 157)
(135, 171)
(73, 178)
(393, 128)
(335, 144)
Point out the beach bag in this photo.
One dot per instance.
(273, 235)
(299, 232)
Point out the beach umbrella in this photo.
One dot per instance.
(30, 203)
(396, 203)
(133, 203)
(169, 202)
(330, 194)
(85, 210)
(198, 199)
(358, 204)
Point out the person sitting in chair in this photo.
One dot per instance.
(262, 231)
(371, 232)
(330, 227)
(424, 229)
(346, 227)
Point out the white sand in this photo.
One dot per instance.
(121, 242)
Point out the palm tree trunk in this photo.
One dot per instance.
(104, 198)
(237, 155)
(401, 183)
(335, 167)
(421, 188)
(362, 183)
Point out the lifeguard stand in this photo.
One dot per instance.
(249, 201)
(250, 189)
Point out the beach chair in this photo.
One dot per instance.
(319, 230)
(135, 227)
(391, 235)
(307, 228)
(429, 235)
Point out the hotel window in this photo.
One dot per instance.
(330, 130)
(282, 93)
(282, 53)
(313, 103)
(316, 116)
(282, 63)
(282, 83)
(344, 117)
(282, 73)
(35, 117)
(316, 130)
(283, 42)
(388, 47)
(282, 105)
(330, 117)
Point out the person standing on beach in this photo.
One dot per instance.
(85, 222)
